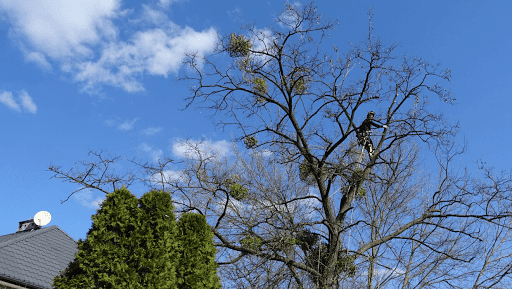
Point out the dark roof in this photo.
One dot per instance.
(34, 258)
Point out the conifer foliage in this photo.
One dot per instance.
(159, 239)
(137, 243)
(197, 267)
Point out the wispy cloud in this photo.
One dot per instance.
(7, 100)
(85, 198)
(166, 177)
(155, 153)
(82, 37)
(167, 3)
(384, 272)
(263, 41)
(110, 122)
(153, 16)
(205, 148)
(26, 102)
(265, 152)
(235, 15)
(290, 18)
(39, 59)
(150, 131)
(127, 125)
(156, 52)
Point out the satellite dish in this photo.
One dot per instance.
(42, 218)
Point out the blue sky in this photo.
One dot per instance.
(101, 74)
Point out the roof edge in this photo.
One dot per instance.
(30, 234)
(16, 285)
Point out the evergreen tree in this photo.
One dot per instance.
(159, 231)
(108, 258)
(197, 267)
(138, 244)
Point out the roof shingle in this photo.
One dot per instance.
(34, 258)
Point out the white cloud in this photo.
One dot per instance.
(192, 148)
(235, 15)
(154, 16)
(39, 59)
(265, 153)
(110, 122)
(308, 207)
(384, 272)
(164, 180)
(6, 99)
(156, 52)
(166, 3)
(62, 28)
(26, 102)
(127, 125)
(262, 41)
(167, 176)
(151, 131)
(290, 18)
(156, 154)
(82, 38)
(85, 198)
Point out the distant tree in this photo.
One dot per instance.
(138, 244)
(197, 267)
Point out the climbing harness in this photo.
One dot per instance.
(364, 140)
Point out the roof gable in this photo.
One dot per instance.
(35, 257)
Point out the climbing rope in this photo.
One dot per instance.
(350, 230)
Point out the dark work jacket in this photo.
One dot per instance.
(367, 125)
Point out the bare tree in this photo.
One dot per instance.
(98, 174)
(306, 207)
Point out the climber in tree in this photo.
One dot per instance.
(363, 132)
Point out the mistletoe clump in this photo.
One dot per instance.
(300, 87)
(358, 176)
(238, 192)
(301, 80)
(250, 142)
(238, 45)
(317, 253)
(362, 192)
(251, 242)
(235, 189)
(259, 85)
(305, 173)
(306, 170)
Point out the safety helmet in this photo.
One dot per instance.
(371, 112)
